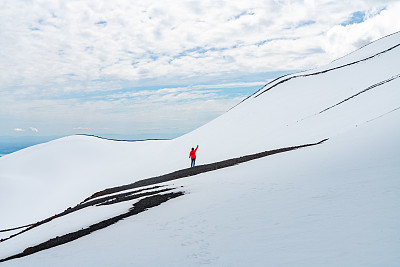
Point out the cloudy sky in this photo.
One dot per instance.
(158, 69)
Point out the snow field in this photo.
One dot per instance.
(310, 207)
(334, 204)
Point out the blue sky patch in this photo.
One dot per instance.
(305, 23)
(101, 23)
(356, 17)
(244, 13)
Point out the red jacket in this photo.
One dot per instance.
(192, 154)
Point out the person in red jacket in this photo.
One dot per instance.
(192, 156)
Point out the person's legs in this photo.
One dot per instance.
(193, 163)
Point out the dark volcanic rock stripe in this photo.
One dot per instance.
(138, 207)
(15, 228)
(393, 110)
(259, 91)
(257, 94)
(100, 201)
(96, 200)
(197, 170)
(122, 194)
(363, 91)
(126, 197)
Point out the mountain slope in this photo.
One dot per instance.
(333, 204)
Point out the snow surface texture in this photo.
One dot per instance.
(334, 204)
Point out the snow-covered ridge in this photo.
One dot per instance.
(140, 192)
(310, 206)
(367, 50)
(353, 58)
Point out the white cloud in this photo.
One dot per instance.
(35, 130)
(64, 41)
(344, 39)
(59, 59)
(178, 109)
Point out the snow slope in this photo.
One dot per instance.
(335, 204)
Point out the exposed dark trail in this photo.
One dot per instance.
(197, 170)
(91, 201)
(138, 207)
(150, 198)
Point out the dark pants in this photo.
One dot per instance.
(193, 163)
